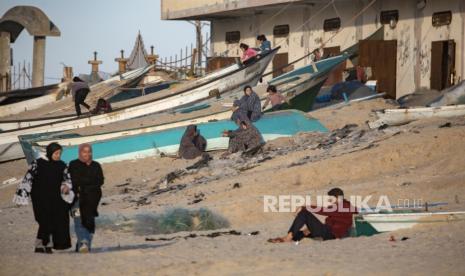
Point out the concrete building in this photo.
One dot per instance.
(423, 45)
(37, 24)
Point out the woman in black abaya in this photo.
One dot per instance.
(48, 184)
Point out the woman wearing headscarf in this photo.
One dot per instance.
(250, 103)
(192, 143)
(48, 184)
(246, 137)
(87, 176)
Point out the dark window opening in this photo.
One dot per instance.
(233, 37)
(280, 30)
(442, 18)
(332, 24)
(387, 16)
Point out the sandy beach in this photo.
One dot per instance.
(422, 160)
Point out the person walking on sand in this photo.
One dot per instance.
(48, 184)
(87, 176)
(337, 225)
(79, 89)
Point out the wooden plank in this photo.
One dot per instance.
(280, 60)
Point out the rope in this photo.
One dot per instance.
(323, 43)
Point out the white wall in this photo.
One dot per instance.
(414, 33)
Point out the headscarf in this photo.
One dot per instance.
(51, 148)
(81, 148)
(192, 144)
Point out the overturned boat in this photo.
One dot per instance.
(299, 87)
(145, 144)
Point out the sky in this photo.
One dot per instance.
(105, 26)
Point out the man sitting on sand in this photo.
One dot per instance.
(337, 224)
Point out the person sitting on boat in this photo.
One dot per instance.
(246, 137)
(79, 89)
(276, 99)
(103, 106)
(265, 45)
(48, 184)
(192, 143)
(250, 104)
(338, 222)
(247, 53)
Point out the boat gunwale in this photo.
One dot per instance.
(72, 117)
(315, 75)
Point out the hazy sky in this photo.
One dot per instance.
(105, 26)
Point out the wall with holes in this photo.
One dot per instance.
(414, 33)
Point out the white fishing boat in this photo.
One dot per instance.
(397, 221)
(395, 117)
(299, 86)
(54, 97)
(230, 79)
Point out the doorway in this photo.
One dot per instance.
(280, 62)
(381, 57)
(442, 64)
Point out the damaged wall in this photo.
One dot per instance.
(414, 33)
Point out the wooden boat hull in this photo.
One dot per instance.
(234, 80)
(393, 117)
(272, 126)
(226, 80)
(59, 94)
(370, 224)
(303, 85)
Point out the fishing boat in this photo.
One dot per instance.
(371, 224)
(19, 95)
(135, 92)
(395, 117)
(224, 81)
(17, 101)
(272, 126)
(299, 87)
(57, 99)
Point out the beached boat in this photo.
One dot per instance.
(298, 87)
(131, 93)
(19, 95)
(227, 80)
(219, 82)
(18, 101)
(272, 126)
(370, 224)
(58, 99)
(395, 117)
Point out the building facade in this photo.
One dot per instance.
(423, 41)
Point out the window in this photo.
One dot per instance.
(387, 16)
(233, 37)
(332, 24)
(281, 30)
(442, 18)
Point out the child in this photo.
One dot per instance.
(277, 100)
